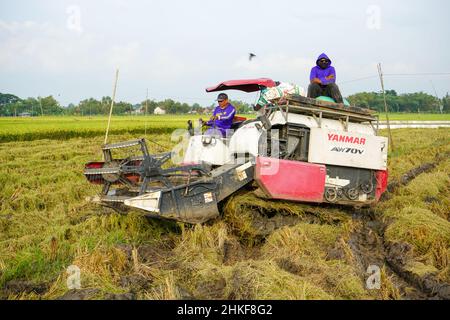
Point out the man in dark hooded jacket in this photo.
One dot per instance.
(323, 80)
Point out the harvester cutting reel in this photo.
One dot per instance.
(188, 193)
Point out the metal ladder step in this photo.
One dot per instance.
(102, 171)
(125, 144)
(117, 199)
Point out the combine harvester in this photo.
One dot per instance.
(297, 149)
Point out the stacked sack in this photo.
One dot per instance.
(283, 89)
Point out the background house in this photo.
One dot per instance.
(158, 110)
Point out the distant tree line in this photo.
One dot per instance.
(11, 105)
(93, 106)
(408, 102)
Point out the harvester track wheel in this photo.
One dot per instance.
(352, 193)
(367, 187)
(331, 194)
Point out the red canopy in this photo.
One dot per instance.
(250, 85)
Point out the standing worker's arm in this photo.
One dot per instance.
(313, 76)
(331, 78)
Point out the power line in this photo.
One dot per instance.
(359, 79)
(418, 74)
(398, 75)
(241, 96)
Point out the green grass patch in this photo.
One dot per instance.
(416, 117)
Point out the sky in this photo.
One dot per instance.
(175, 49)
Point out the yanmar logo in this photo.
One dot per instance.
(347, 139)
(348, 150)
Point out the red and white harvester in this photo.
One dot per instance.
(297, 149)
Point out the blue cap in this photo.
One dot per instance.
(222, 96)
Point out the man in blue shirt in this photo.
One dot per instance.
(222, 117)
(323, 80)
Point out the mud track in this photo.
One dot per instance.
(368, 243)
(395, 254)
(370, 247)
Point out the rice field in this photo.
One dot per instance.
(67, 127)
(295, 251)
(416, 116)
(62, 128)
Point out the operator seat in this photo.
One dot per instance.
(237, 122)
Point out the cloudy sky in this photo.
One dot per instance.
(70, 49)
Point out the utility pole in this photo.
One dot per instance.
(440, 106)
(145, 114)
(380, 73)
(40, 104)
(112, 105)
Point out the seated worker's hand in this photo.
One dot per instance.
(317, 80)
(331, 76)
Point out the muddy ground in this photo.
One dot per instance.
(366, 242)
